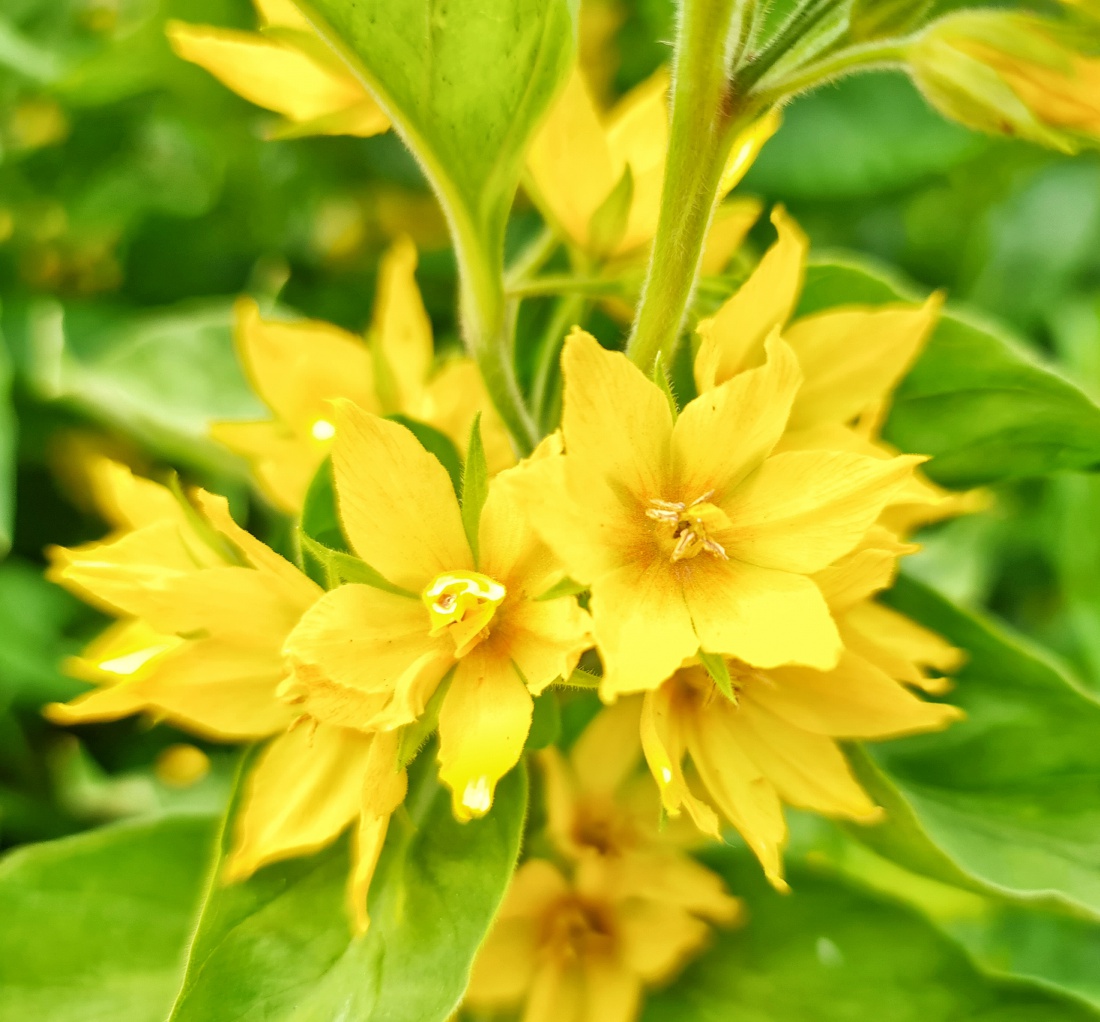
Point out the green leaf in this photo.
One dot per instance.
(1007, 800)
(341, 567)
(719, 673)
(566, 587)
(475, 485)
(608, 223)
(545, 721)
(278, 946)
(1076, 541)
(984, 407)
(7, 451)
(437, 443)
(833, 953)
(95, 926)
(464, 83)
(320, 519)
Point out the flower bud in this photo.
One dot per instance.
(1009, 74)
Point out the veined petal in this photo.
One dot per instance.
(304, 790)
(856, 700)
(740, 790)
(401, 332)
(760, 615)
(608, 750)
(264, 71)
(384, 788)
(856, 577)
(658, 938)
(727, 432)
(544, 639)
(129, 501)
(483, 724)
(642, 626)
(509, 551)
(854, 358)
(807, 770)
(899, 646)
(733, 339)
(396, 501)
(801, 510)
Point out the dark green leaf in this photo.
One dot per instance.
(278, 946)
(320, 515)
(545, 721)
(95, 926)
(437, 443)
(829, 952)
(7, 451)
(475, 486)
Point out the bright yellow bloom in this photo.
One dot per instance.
(775, 741)
(371, 659)
(578, 157)
(1010, 74)
(288, 69)
(203, 606)
(694, 534)
(299, 368)
(852, 358)
(585, 950)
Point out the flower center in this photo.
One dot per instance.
(579, 928)
(463, 603)
(691, 526)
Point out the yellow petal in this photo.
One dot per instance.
(733, 339)
(727, 432)
(855, 577)
(569, 161)
(544, 639)
(853, 358)
(807, 770)
(384, 788)
(731, 224)
(740, 790)
(612, 991)
(128, 501)
(658, 938)
(899, 646)
(856, 700)
(675, 879)
(304, 790)
(264, 71)
(760, 615)
(609, 748)
(281, 13)
(401, 332)
(804, 509)
(483, 724)
(746, 148)
(283, 463)
(396, 501)
(505, 965)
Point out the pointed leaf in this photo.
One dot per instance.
(608, 223)
(719, 673)
(475, 485)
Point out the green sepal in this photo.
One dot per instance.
(475, 486)
(719, 673)
(415, 735)
(564, 587)
(341, 567)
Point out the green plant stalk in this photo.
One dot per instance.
(703, 111)
(866, 57)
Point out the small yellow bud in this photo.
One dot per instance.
(182, 765)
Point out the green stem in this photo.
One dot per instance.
(532, 259)
(879, 54)
(570, 310)
(567, 284)
(703, 109)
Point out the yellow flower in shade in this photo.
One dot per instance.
(694, 534)
(578, 158)
(851, 357)
(299, 368)
(1010, 74)
(287, 68)
(371, 659)
(774, 741)
(203, 611)
(586, 949)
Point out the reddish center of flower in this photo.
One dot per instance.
(688, 528)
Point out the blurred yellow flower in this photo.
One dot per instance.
(203, 611)
(585, 950)
(287, 68)
(774, 742)
(579, 160)
(299, 368)
(371, 659)
(688, 541)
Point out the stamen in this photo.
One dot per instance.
(691, 525)
(463, 603)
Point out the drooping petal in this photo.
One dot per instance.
(401, 333)
(483, 724)
(802, 510)
(856, 577)
(304, 790)
(733, 339)
(608, 750)
(129, 501)
(899, 646)
(727, 432)
(760, 615)
(396, 501)
(731, 225)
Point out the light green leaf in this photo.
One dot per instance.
(475, 486)
(278, 947)
(566, 587)
(95, 926)
(320, 519)
(608, 223)
(830, 952)
(983, 406)
(1007, 800)
(545, 721)
(719, 672)
(7, 451)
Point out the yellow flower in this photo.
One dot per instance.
(852, 359)
(774, 742)
(1009, 74)
(203, 606)
(371, 659)
(694, 534)
(585, 950)
(299, 368)
(578, 157)
(288, 69)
